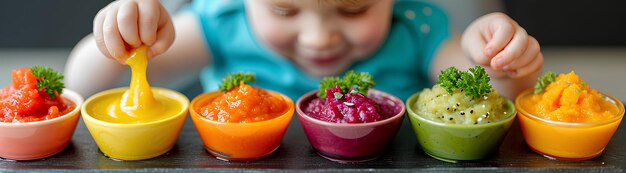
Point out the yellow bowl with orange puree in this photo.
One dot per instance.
(568, 120)
(138, 122)
(238, 127)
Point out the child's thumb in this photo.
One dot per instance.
(473, 45)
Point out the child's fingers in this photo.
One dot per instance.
(112, 38)
(149, 15)
(127, 22)
(165, 35)
(495, 74)
(473, 43)
(531, 53)
(97, 32)
(512, 51)
(531, 68)
(501, 31)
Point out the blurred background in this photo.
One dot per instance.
(586, 36)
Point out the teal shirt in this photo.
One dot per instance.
(400, 66)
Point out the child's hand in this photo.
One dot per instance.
(127, 24)
(497, 41)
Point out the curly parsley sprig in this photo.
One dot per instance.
(474, 82)
(359, 81)
(48, 80)
(448, 78)
(329, 82)
(234, 79)
(544, 80)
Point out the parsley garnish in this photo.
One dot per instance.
(448, 78)
(48, 80)
(544, 80)
(474, 82)
(234, 79)
(359, 81)
(329, 82)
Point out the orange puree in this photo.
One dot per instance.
(244, 104)
(570, 99)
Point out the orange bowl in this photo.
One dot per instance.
(566, 140)
(40, 139)
(240, 141)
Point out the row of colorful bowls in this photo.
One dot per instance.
(338, 142)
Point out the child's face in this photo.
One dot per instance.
(323, 37)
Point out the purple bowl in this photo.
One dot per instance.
(355, 142)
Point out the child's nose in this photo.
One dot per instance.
(318, 39)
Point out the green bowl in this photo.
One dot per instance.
(459, 142)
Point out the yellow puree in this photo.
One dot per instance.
(138, 104)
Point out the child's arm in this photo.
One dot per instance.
(89, 70)
(512, 58)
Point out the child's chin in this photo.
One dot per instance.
(321, 72)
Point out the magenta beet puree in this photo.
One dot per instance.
(352, 107)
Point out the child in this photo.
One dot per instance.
(291, 44)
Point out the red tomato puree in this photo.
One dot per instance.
(23, 102)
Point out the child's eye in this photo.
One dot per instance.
(284, 11)
(352, 12)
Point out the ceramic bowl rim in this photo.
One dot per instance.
(393, 118)
(179, 97)
(287, 100)
(609, 98)
(412, 113)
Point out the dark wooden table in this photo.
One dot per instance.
(295, 154)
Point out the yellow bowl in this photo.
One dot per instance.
(136, 141)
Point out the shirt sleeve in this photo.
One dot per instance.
(219, 20)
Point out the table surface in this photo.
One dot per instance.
(295, 154)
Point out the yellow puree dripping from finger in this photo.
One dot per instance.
(138, 104)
